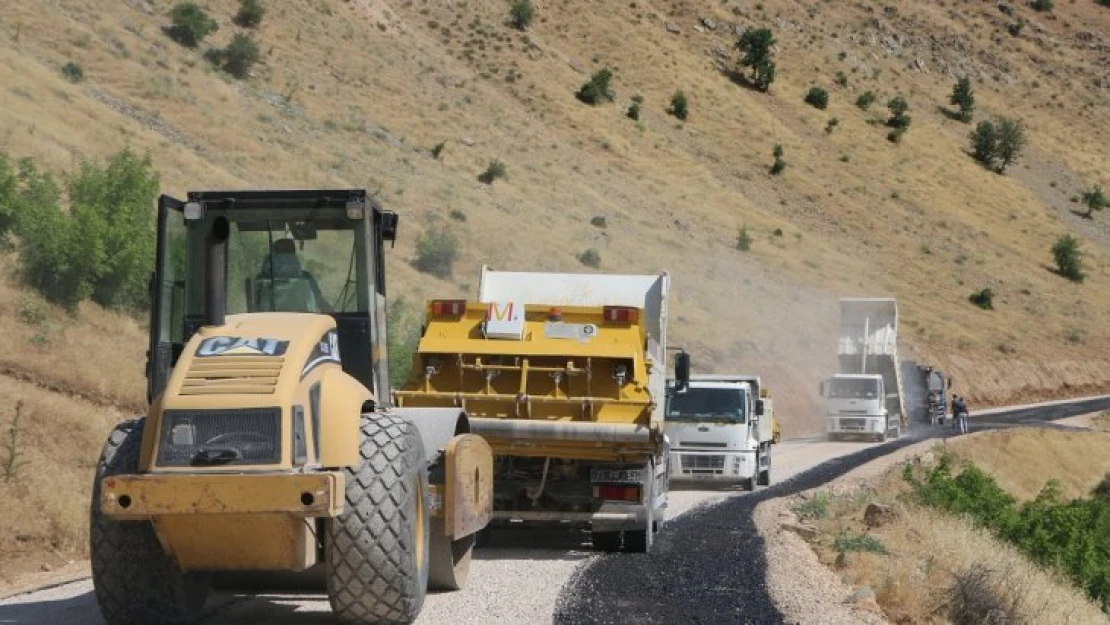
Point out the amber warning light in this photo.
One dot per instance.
(448, 307)
(621, 314)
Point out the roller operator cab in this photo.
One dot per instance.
(270, 446)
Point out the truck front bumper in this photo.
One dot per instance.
(864, 424)
(148, 496)
(712, 466)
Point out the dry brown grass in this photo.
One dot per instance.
(930, 551)
(45, 519)
(357, 93)
(1102, 422)
(1023, 459)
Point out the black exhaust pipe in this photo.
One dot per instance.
(215, 270)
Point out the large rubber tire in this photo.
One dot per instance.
(376, 552)
(135, 581)
(450, 559)
(606, 541)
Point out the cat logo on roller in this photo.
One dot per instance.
(238, 346)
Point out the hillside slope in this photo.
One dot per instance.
(357, 92)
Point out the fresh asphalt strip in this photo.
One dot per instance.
(708, 565)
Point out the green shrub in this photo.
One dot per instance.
(238, 57)
(599, 221)
(1043, 5)
(402, 338)
(597, 90)
(866, 99)
(678, 105)
(983, 299)
(756, 45)
(457, 215)
(73, 72)
(842, 79)
(744, 240)
(437, 249)
(1103, 488)
(984, 142)
(1095, 200)
(964, 98)
(437, 149)
(521, 14)
(590, 258)
(190, 24)
(1011, 142)
(831, 125)
(817, 98)
(779, 165)
(250, 13)
(858, 542)
(103, 247)
(1069, 258)
(898, 108)
(816, 507)
(494, 171)
(1072, 536)
(8, 194)
(634, 111)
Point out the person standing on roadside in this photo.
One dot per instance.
(961, 415)
(955, 405)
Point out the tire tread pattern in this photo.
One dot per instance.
(371, 565)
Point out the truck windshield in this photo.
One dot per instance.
(708, 404)
(854, 388)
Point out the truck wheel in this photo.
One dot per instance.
(450, 559)
(606, 541)
(376, 552)
(134, 580)
(638, 541)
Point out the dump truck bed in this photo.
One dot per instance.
(868, 344)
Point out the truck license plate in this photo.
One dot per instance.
(635, 476)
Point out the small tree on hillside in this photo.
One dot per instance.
(521, 14)
(597, 90)
(998, 144)
(190, 24)
(984, 142)
(1095, 200)
(756, 45)
(238, 57)
(899, 121)
(1011, 142)
(1069, 258)
(250, 13)
(964, 98)
(678, 105)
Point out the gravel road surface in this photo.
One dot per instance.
(707, 546)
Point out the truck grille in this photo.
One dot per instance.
(224, 375)
(853, 424)
(220, 437)
(703, 444)
(700, 461)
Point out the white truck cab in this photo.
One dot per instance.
(719, 431)
(856, 404)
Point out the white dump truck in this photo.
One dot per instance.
(865, 397)
(721, 429)
(565, 376)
